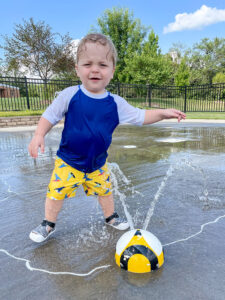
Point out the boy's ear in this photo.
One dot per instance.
(114, 68)
(76, 69)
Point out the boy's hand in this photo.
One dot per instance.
(172, 113)
(38, 140)
(156, 115)
(36, 143)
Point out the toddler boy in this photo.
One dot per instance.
(91, 115)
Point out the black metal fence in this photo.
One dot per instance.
(18, 94)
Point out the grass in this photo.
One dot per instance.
(178, 103)
(21, 113)
(190, 115)
(206, 115)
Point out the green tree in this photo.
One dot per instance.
(1, 67)
(149, 66)
(206, 59)
(12, 68)
(219, 78)
(151, 46)
(64, 66)
(182, 74)
(197, 76)
(35, 46)
(126, 33)
(176, 54)
(220, 93)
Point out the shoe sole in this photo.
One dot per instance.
(39, 239)
(119, 227)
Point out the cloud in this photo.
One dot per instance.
(200, 18)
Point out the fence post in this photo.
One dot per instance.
(118, 88)
(27, 94)
(185, 98)
(149, 94)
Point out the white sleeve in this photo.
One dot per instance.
(57, 109)
(128, 113)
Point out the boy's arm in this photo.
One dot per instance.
(53, 114)
(38, 140)
(156, 115)
(136, 116)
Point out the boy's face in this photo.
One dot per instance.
(95, 67)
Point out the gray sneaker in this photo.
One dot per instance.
(116, 222)
(40, 233)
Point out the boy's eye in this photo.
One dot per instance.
(103, 65)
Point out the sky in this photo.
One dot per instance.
(175, 21)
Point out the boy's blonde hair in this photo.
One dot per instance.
(100, 39)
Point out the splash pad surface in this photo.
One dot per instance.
(170, 182)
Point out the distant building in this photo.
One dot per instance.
(175, 57)
(8, 91)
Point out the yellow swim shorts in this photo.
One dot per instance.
(66, 179)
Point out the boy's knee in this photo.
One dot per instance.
(105, 197)
(53, 205)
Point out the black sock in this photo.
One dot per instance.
(46, 222)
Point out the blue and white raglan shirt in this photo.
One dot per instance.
(90, 120)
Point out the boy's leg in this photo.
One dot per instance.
(98, 183)
(47, 227)
(52, 209)
(63, 184)
(107, 205)
(111, 217)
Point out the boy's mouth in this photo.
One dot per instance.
(94, 78)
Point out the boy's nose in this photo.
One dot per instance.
(95, 68)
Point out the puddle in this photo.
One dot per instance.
(174, 189)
